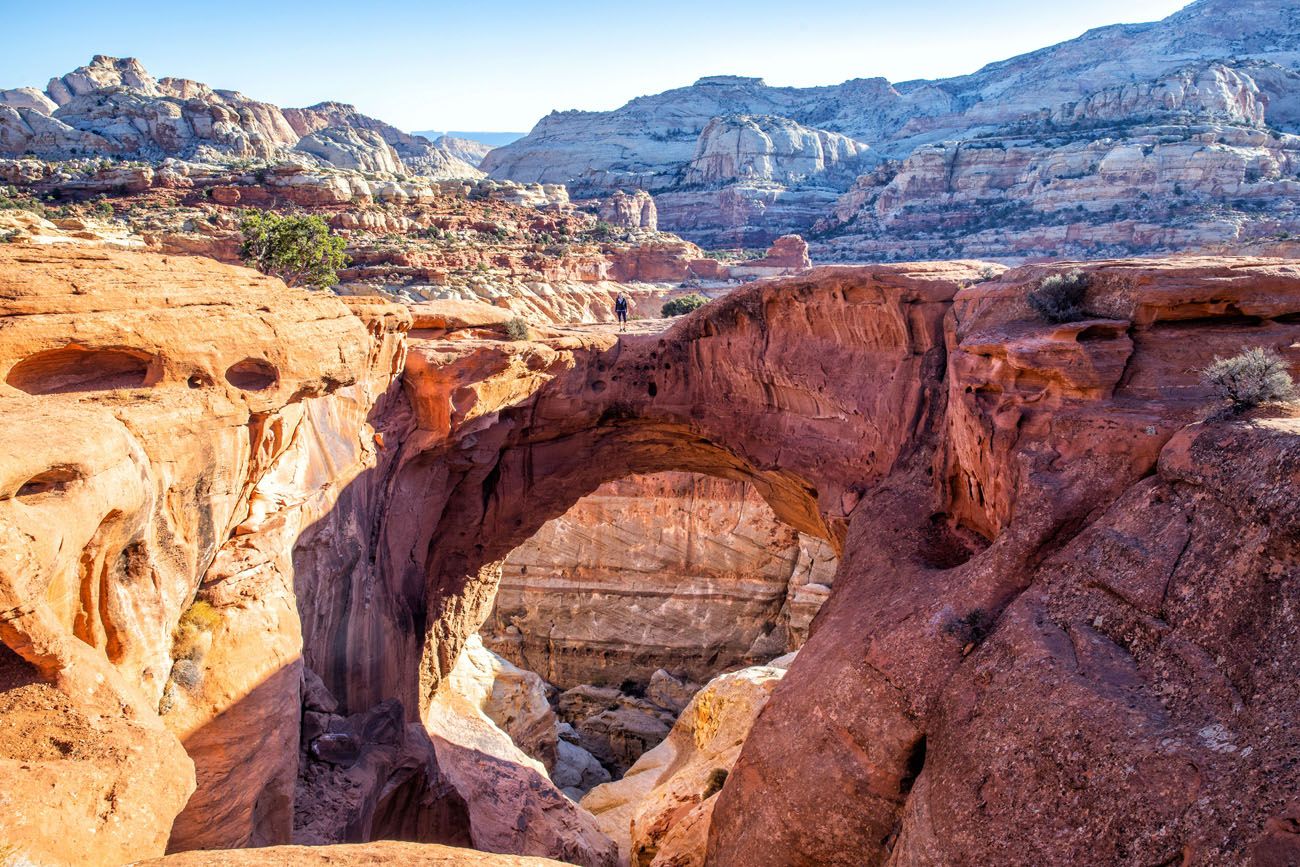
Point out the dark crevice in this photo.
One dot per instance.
(913, 767)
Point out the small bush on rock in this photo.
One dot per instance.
(299, 249)
(191, 638)
(683, 305)
(1059, 298)
(971, 629)
(517, 328)
(713, 782)
(1249, 379)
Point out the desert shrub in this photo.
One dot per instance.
(168, 700)
(683, 305)
(1249, 379)
(517, 328)
(972, 628)
(299, 249)
(987, 273)
(201, 615)
(713, 782)
(1059, 297)
(102, 209)
(189, 639)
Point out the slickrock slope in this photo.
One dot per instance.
(1062, 626)
(1167, 136)
(677, 572)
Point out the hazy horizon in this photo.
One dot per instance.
(504, 68)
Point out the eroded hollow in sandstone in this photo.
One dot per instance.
(74, 368)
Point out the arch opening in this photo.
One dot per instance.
(609, 619)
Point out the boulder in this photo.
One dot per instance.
(670, 692)
(576, 771)
(29, 98)
(672, 783)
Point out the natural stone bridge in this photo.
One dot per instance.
(1050, 587)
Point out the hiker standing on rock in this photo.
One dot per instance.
(620, 310)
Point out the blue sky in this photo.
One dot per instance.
(501, 65)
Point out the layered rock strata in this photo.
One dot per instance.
(526, 249)
(1162, 137)
(686, 573)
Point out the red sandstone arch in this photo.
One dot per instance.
(955, 423)
(811, 391)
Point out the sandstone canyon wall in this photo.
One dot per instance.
(690, 574)
(1060, 594)
(176, 442)
(212, 451)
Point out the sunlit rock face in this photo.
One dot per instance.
(977, 165)
(115, 107)
(675, 571)
(172, 427)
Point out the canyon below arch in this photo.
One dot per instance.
(248, 529)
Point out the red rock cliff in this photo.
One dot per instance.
(1056, 599)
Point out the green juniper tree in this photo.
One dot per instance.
(297, 248)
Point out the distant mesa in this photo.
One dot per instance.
(492, 139)
(729, 80)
